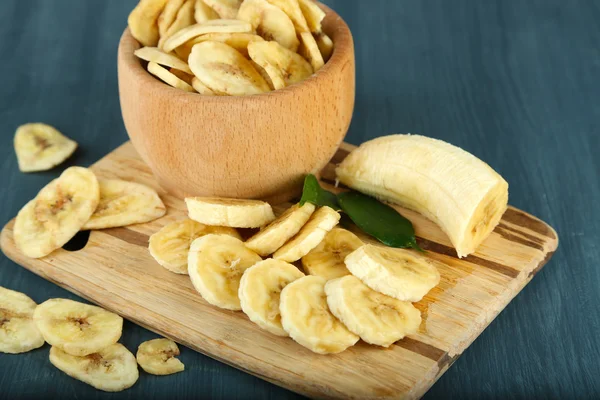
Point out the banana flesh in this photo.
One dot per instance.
(229, 212)
(18, 333)
(327, 259)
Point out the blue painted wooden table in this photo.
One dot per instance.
(515, 82)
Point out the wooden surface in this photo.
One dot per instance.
(258, 146)
(115, 270)
(514, 82)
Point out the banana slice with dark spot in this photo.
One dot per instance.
(40, 147)
(270, 22)
(283, 65)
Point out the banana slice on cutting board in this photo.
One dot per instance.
(170, 245)
(327, 259)
(57, 213)
(185, 17)
(169, 78)
(40, 147)
(225, 8)
(310, 51)
(238, 41)
(143, 21)
(270, 22)
(111, 369)
(292, 9)
(18, 333)
(157, 357)
(76, 328)
(312, 14)
(212, 26)
(305, 316)
(216, 264)
(283, 66)
(399, 273)
(451, 187)
(234, 213)
(260, 289)
(204, 13)
(278, 232)
(309, 237)
(154, 54)
(378, 319)
(125, 203)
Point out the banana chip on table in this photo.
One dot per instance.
(170, 246)
(168, 77)
(57, 213)
(216, 264)
(157, 357)
(226, 9)
(235, 213)
(203, 12)
(283, 65)
(378, 319)
(185, 17)
(125, 203)
(306, 317)
(143, 21)
(40, 147)
(77, 328)
(270, 22)
(212, 26)
(310, 51)
(168, 15)
(111, 369)
(292, 9)
(18, 333)
(327, 259)
(237, 40)
(154, 54)
(260, 289)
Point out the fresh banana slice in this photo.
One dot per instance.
(111, 369)
(327, 259)
(225, 70)
(187, 78)
(292, 9)
(310, 50)
(238, 41)
(167, 77)
(399, 273)
(378, 319)
(76, 328)
(309, 237)
(157, 357)
(234, 213)
(216, 264)
(153, 54)
(125, 203)
(325, 45)
(305, 316)
(57, 213)
(18, 333)
(170, 246)
(283, 66)
(313, 15)
(185, 17)
(201, 87)
(212, 26)
(260, 289)
(40, 147)
(168, 15)
(270, 22)
(204, 13)
(227, 9)
(143, 21)
(274, 235)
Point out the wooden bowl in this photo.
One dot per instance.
(255, 147)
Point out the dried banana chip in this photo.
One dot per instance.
(40, 147)
(264, 74)
(168, 15)
(270, 22)
(143, 21)
(313, 15)
(204, 13)
(310, 51)
(292, 9)
(212, 26)
(283, 66)
(238, 41)
(167, 77)
(157, 357)
(201, 87)
(111, 369)
(18, 333)
(225, 8)
(57, 213)
(224, 70)
(185, 17)
(154, 54)
(187, 78)
(125, 203)
(325, 45)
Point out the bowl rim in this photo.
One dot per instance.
(337, 28)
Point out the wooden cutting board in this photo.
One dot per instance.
(115, 271)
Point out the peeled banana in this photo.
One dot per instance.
(453, 188)
(40, 147)
(170, 246)
(260, 289)
(57, 213)
(18, 333)
(269, 22)
(76, 328)
(305, 316)
(229, 212)
(400, 273)
(157, 357)
(216, 264)
(274, 235)
(327, 259)
(283, 66)
(378, 319)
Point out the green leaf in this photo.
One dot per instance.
(378, 220)
(315, 194)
